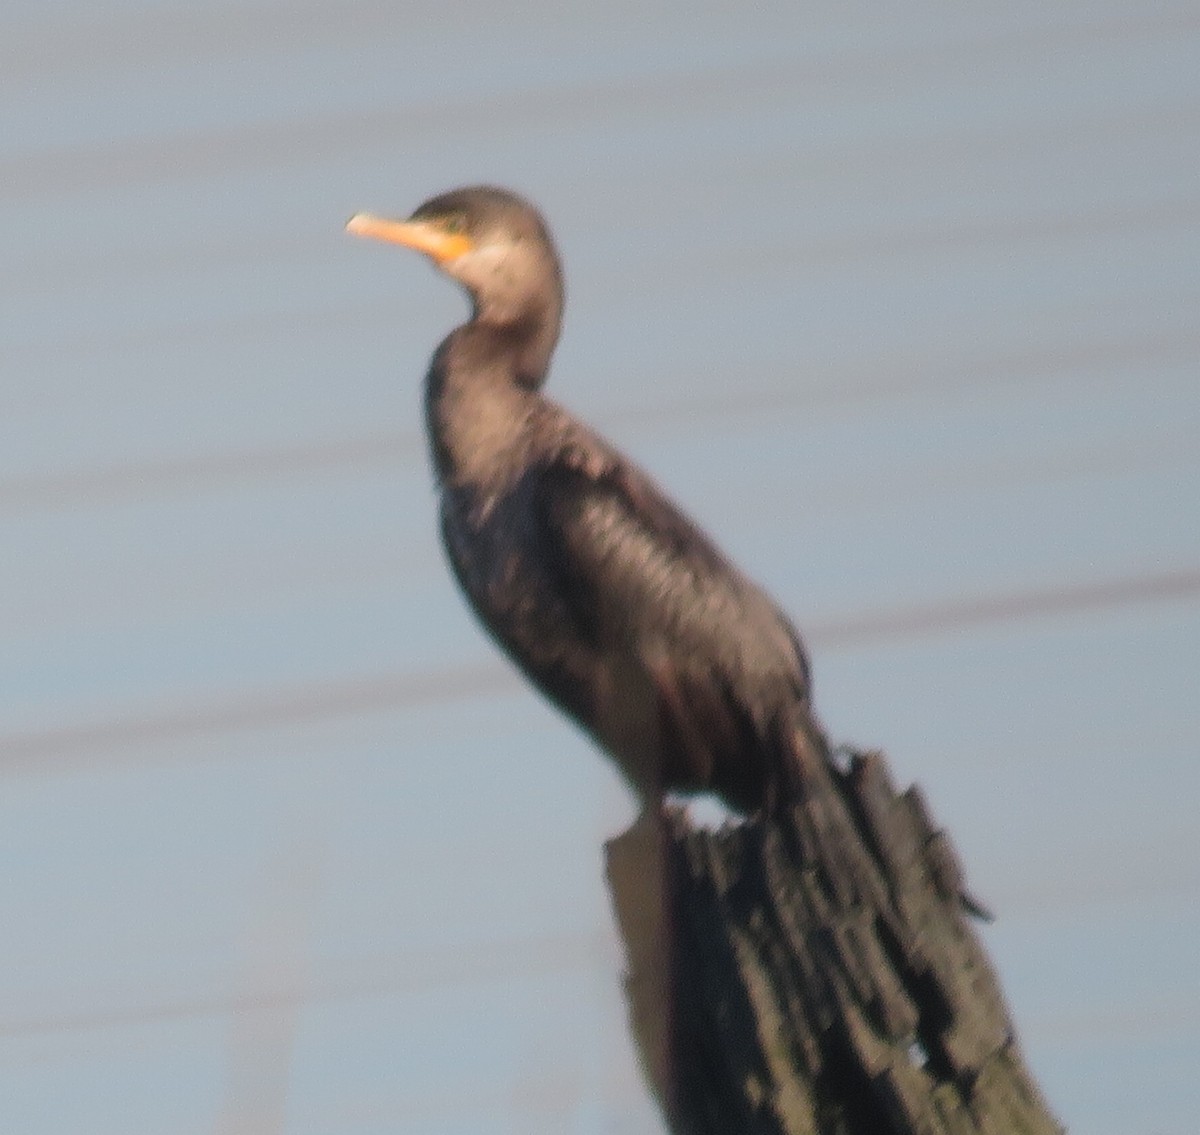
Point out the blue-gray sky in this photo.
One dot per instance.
(902, 304)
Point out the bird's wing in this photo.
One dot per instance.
(639, 576)
(629, 561)
(634, 565)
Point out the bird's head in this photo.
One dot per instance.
(491, 241)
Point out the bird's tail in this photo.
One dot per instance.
(803, 754)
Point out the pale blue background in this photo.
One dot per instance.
(902, 302)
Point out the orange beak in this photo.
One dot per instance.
(425, 237)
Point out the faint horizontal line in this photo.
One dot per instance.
(251, 327)
(45, 173)
(273, 709)
(836, 384)
(156, 260)
(370, 977)
(208, 470)
(975, 146)
(1067, 599)
(322, 701)
(898, 376)
(1130, 1022)
(383, 976)
(1119, 219)
(118, 43)
(1152, 450)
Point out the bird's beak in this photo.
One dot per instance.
(425, 237)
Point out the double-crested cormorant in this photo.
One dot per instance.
(612, 601)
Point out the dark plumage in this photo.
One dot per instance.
(613, 602)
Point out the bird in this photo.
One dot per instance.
(614, 603)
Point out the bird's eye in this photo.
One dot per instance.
(455, 223)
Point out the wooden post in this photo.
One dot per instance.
(814, 973)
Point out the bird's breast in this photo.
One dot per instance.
(494, 550)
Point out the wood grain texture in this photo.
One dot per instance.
(816, 972)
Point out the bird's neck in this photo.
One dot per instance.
(518, 328)
(481, 399)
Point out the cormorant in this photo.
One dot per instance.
(613, 602)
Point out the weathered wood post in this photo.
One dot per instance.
(814, 973)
